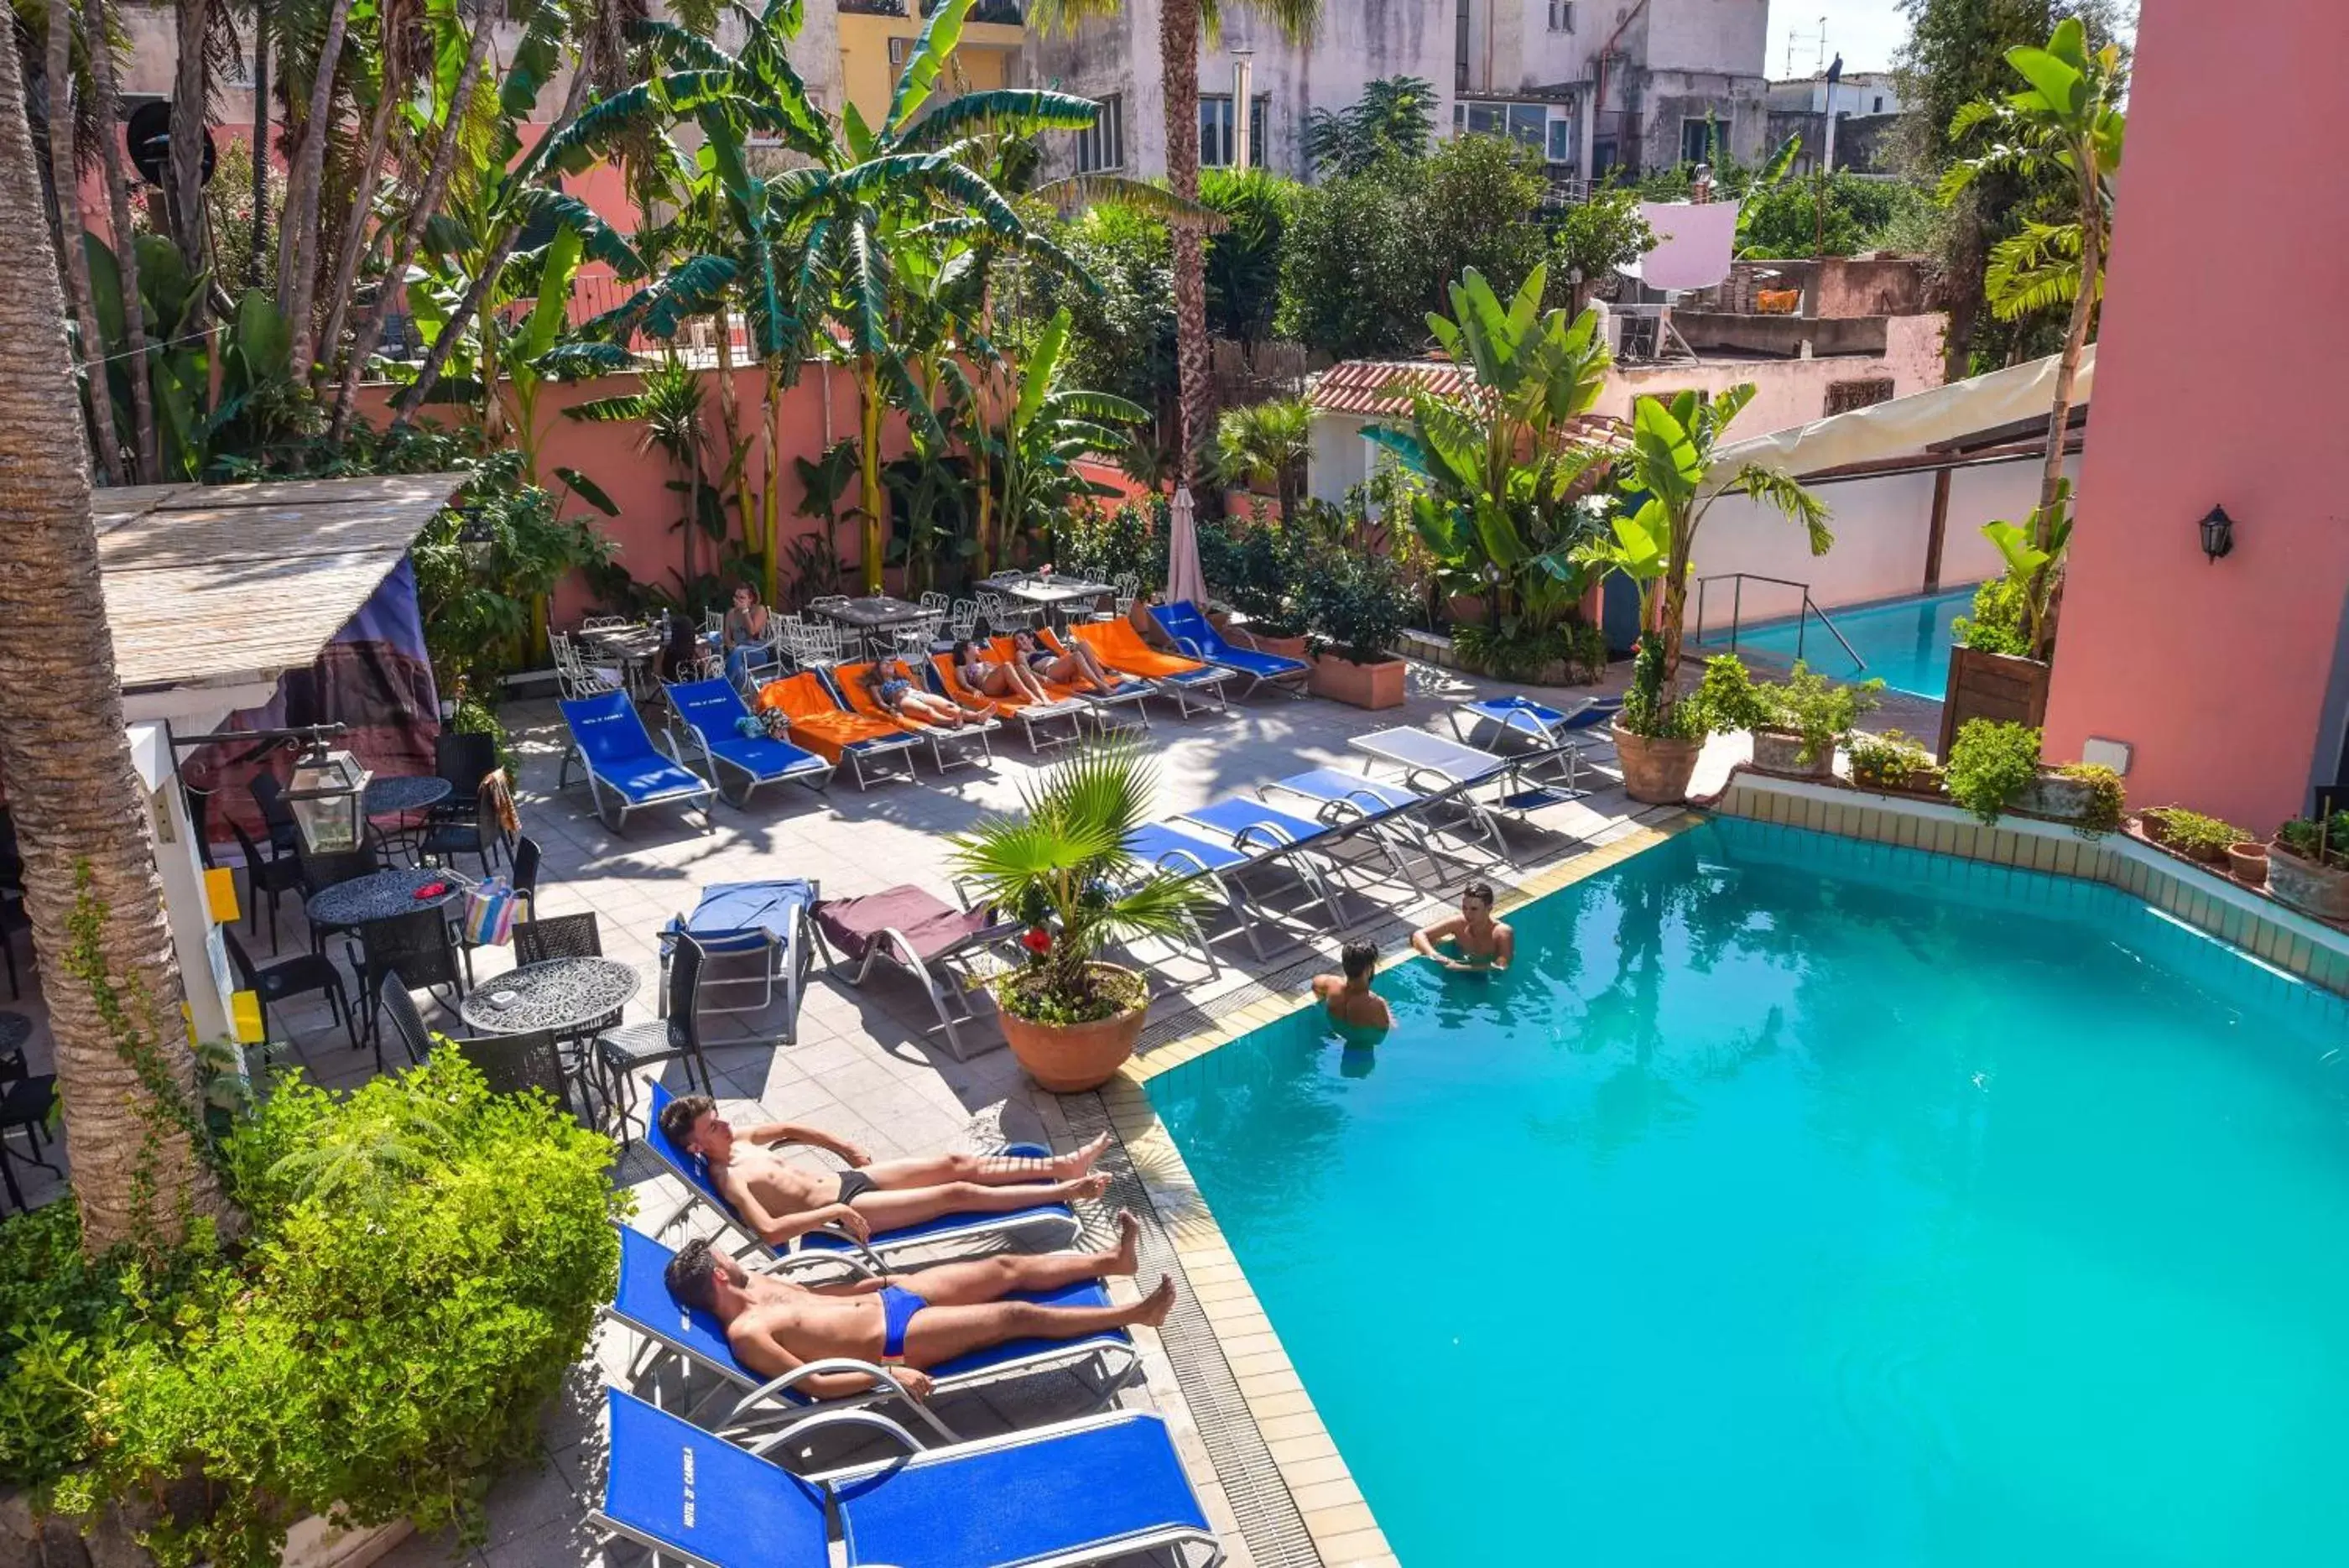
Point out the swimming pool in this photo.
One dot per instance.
(1906, 641)
(1804, 1201)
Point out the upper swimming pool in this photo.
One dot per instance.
(1800, 1201)
(1906, 641)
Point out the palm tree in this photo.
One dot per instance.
(1045, 431)
(1180, 25)
(2067, 116)
(65, 173)
(125, 1071)
(1267, 443)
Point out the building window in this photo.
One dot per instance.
(900, 51)
(1696, 139)
(1102, 145)
(1562, 130)
(1548, 128)
(1561, 16)
(1218, 144)
(1844, 396)
(1460, 49)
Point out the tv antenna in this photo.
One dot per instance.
(1795, 41)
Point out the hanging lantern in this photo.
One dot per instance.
(328, 798)
(2217, 534)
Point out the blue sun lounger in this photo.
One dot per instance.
(1088, 1491)
(1179, 850)
(768, 921)
(1195, 638)
(1522, 718)
(1377, 806)
(1254, 826)
(1057, 1222)
(622, 765)
(1101, 1361)
(710, 713)
(1444, 767)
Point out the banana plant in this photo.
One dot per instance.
(1047, 428)
(2037, 567)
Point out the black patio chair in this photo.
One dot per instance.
(620, 1053)
(481, 831)
(289, 978)
(407, 1023)
(320, 872)
(416, 949)
(274, 875)
(564, 937)
(515, 1063)
(524, 879)
(277, 813)
(12, 919)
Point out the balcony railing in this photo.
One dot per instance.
(1007, 12)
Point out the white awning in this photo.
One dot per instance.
(1908, 426)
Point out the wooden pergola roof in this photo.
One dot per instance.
(212, 583)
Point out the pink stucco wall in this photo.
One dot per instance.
(2217, 673)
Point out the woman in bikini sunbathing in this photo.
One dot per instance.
(892, 686)
(1006, 678)
(1077, 667)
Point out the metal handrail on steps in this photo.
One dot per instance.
(1802, 618)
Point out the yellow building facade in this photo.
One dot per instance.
(878, 36)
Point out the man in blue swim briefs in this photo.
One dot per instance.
(907, 1322)
(779, 1201)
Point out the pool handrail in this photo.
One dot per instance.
(1802, 616)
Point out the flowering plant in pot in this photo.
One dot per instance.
(1060, 863)
(2190, 832)
(1894, 761)
(2308, 865)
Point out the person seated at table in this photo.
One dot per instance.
(747, 629)
(1482, 941)
(1077, 667)
(892, 686)
(1007, 678)
(779, 1201)
(904, 1322)
(681, 653)
(1358, 1014)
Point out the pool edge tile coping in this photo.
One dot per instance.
(1342, 1525)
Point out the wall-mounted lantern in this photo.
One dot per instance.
(2217, 534)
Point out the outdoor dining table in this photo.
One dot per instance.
(560, 995)
(402, 798)
(632, 647)
(383, 896)
(871, 617)
(1059, 598)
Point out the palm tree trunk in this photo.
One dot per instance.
(80, 809)
(875, 503)
(436, 173)
(1178, 47)
(191, 89)
(65, 178)
(355, 245)
(2067, 365)
(259, 247)
(297, 250)
(770, 494)
(403, 408)
(729, 418)
(146, 463)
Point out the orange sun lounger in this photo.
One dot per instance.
(1101, 705)
(850, 680)
(819, 724)
(1118, 646)
(1025, 711)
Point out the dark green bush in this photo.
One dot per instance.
(425, 1264)
(2000, 622)
(1357, 604)
(1991, 766)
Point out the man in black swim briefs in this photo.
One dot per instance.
(779, 1201)
(906, 1322)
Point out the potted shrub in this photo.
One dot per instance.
(1894, 763)
(1061, 865)
(2308, 865)
(1796, 722)
(1659, 734)
(1266, 565)
(1360, 606)
(2190, 832)
(1994, 767)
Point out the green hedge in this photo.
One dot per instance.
(425, 1262)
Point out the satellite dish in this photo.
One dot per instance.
(150, 136)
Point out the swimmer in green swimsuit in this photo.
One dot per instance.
(1358, 1014)
(1482, 941)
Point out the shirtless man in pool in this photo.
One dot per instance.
(779, 1201)
(1482, 941)
(906, 1322)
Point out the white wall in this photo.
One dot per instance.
(1881, 525)
(1788, 392)
(1726, 35)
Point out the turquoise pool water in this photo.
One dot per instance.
(1799, 1201)
(1906, 641)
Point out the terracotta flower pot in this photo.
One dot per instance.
(1284, 647)
(1655, 771)
(1780, 751)
(1068, 1059)
(2312, 889)
(2249, 862)
(1376, 685)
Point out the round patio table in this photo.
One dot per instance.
(14, 1030)
(562, 995)
(409, 792)
(384, 896)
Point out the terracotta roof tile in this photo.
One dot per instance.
(1381, 387)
